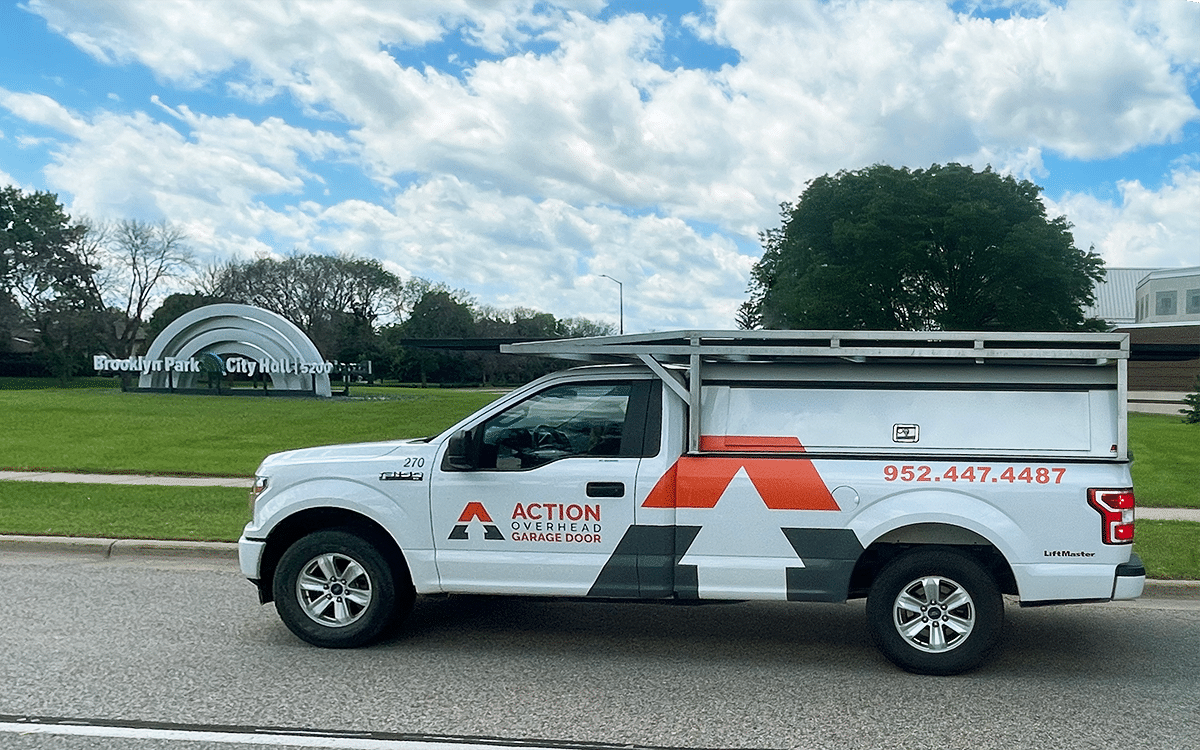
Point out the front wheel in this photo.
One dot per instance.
(935, 612)
(335, 589)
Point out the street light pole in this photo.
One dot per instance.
(621, 292)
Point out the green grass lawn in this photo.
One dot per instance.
(1166, 461)
(105, 430)
(123, 511)
(93, 426)
(1170, 549)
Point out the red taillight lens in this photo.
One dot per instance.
(1116, 510)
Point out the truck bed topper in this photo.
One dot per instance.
(694, 349)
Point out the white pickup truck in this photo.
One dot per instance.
(931, 473)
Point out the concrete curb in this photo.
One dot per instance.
(108, 549)
(174, 550)
(1186, 590)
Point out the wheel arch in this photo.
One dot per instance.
(903, 539)
(937, 518)
(306, 521)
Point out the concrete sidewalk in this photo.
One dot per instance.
(1167, 514)
(141, 479)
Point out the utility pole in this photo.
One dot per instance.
(621, 291)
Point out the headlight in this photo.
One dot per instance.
(260, 486)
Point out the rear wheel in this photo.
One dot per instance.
(935, 612)
(336, 589)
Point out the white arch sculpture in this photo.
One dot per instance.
(251, 332)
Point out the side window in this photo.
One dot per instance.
(564, 421)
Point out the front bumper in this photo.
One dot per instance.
(250, 554)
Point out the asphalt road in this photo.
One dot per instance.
(185, 644)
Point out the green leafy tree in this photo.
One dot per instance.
(335, 300)
(1191, 415)
(944, 248)
(439, 314)
(48, 288)
(522, 323)
(70, 329)
(174, 306)
(577, 328)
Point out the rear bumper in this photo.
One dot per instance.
(1130, 579)
(1062, 583)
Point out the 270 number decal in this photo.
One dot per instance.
(1010, 474)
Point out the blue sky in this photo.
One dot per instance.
(519, 149)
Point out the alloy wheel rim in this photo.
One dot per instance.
(934, 614)
(334, 590)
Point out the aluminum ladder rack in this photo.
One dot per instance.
(694, 348)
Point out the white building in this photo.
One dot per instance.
(1170, 295)
(1160, 310)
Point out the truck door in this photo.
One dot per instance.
(548, 490)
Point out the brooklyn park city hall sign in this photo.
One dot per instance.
(218, 342)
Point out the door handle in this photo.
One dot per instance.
(606, 489)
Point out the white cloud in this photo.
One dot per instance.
(1149, 228)
(515, 251)
(818, 88)
(1175, 28)
(135, 166)
(210, 179)
(41, 110)
(511, 250)
(1079, 81)
(6, 180)
(558, 146)
(189, 41)
(186, 42)
(908, 82)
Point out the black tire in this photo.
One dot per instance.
(335, 589)
(935, 612)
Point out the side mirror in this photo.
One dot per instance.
(461, 454)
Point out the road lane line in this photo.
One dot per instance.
(273, 737)
(228, 738)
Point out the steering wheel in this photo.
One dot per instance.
(545, 436)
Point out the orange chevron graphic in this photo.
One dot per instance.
(783, 483)
(474, 510)
(753, 443)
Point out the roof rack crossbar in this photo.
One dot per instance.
(735, 346)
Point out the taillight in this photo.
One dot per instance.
(1116, 508)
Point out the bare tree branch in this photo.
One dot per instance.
(140, 258)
